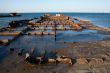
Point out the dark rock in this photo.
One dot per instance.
(12, 49)
(20, 52)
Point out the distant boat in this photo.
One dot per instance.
(10, 15)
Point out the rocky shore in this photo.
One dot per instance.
(89, 57)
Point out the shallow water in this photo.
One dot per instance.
(48, 42)
(82, 36)
(6, 37)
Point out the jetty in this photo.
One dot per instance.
(10, 15)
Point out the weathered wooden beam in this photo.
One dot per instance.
(9, 33)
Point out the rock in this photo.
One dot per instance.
(4, 42)
(104, 57)
(88, 60)
(32, 50)
(11, 50)
(29, 33)
(20, 52)
(82, 61)
(100, 70)
(96, 61)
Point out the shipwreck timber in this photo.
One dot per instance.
(61, 22)
(50, 22)
(39, 26)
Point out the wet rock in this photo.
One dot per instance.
(4, 42)
(20, 52)
(41, 33)
(14, 24)
(32, 50)
(29, 33)
(11, 50)
(3, 29)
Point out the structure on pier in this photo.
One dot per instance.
(57, 22)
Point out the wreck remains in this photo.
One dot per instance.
(41, 25)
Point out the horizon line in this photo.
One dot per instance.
(54, 12)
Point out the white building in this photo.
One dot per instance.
(58, 14)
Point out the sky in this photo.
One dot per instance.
(54, 6)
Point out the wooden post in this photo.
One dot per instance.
(55, 29)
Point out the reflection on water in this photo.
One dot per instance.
(82, 36)
(39, 42)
